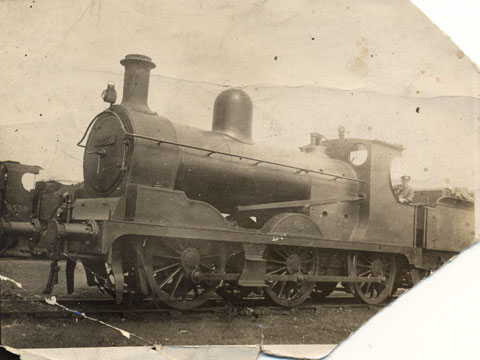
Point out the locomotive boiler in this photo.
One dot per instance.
(142, 148)
(178, 212)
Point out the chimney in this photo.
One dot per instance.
(135, 84)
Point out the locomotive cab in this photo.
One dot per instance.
(382, 220)
(16, 200)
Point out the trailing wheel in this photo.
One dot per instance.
(170, 265)
(289, 260)
(373, 265)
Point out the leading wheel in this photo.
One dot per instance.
(289, 260)
(170, 264)
(373, 265)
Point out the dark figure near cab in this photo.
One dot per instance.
(404, 191)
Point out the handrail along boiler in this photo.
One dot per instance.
(179, 213)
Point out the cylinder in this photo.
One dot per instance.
(56, 230)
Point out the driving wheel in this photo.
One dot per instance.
(290, 260)
(170, 265)
(373, 265)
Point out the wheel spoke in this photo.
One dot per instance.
(291, 292)
(365, 273)
(304, 252)
(168, 257)
(164, 282)
(284, 283)
(368, 287)
(179, 279)
(364, 266)
(170, 246)
(277, 262)
(277, 281)
(166, 268)
(366, 259)
(279, 253)
(277, 270)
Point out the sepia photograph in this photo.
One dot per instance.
(256, 179)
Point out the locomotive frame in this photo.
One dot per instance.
(301, 243)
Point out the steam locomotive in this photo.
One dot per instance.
(177, 213)
(24, 213)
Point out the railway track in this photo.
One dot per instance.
(255, 306)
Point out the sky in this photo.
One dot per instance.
(309, 66)
(459, 20)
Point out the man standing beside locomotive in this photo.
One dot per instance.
(404, 191)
